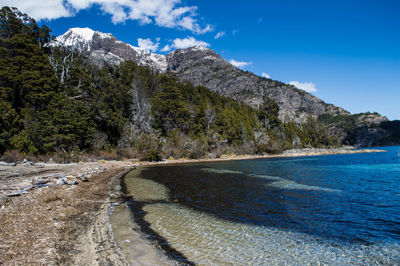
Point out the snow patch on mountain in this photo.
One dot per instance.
(79, 38)
(105, 48)
(85, 34)
(210, 57)
(199, 48)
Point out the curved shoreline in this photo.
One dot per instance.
(75, 220)
(164, 219)
(138, 214)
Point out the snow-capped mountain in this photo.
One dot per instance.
(104, 47)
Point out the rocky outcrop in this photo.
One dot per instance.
(204, 67)
(369, 131)
(370, 119)
(365, 136)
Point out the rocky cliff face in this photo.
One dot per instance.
(204, 67)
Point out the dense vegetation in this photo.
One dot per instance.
(54, 101)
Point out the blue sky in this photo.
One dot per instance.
(345, 52)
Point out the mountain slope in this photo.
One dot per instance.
(204, 67)
(104, 47)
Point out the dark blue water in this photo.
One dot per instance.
(352, 199)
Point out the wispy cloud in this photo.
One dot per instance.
(305, 86)
(184, 43)
(239, 63)
(234, 32)
(164, 13)
(219, 35)
(148, 44)
(265, 75)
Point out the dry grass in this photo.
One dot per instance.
(13, 156)
(42, 227)
(50, 197)
(65, 157)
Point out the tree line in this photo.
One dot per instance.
(53, 100)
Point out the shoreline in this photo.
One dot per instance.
(289, 153)
(169, 255)
(58, 224)
(72, 223)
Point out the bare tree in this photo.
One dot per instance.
(210, 116)
(61, 63)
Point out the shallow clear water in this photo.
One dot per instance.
(337, 209)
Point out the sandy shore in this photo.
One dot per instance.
(70, 224)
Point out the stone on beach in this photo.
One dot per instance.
(58, 175)
(40, 182)
(82, 177)
(62, 181)
(17, 193)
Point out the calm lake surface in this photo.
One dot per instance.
(336, 210)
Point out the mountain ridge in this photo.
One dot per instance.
(103, 48)
(203, 67)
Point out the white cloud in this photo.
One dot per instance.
(305, 86)
(219, 35)
(148, 44)
(166, 48)
(184, 43)
(265, 75)
(164, 13)
(239, 64)
(44, 9)
(234, 32)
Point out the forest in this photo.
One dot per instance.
(55, 103)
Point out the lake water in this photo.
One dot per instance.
(336, 210)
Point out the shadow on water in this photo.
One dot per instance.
(232, 196)
(252, 199)
(136, 207)
(235, 195)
